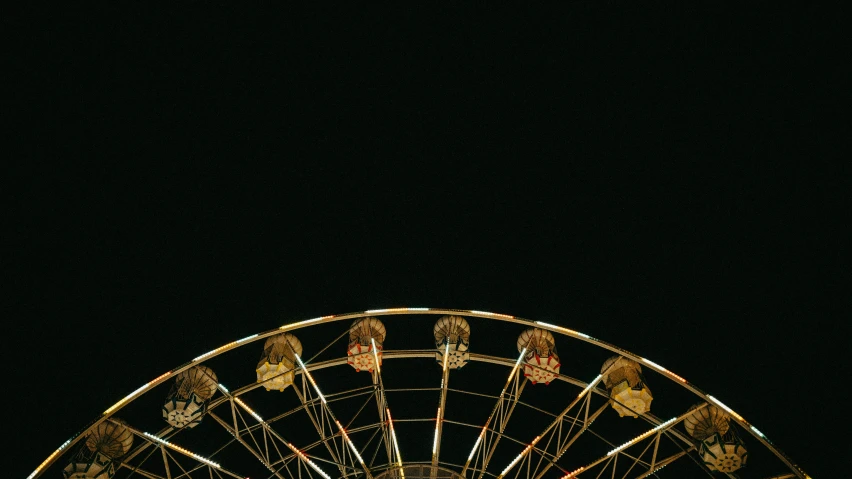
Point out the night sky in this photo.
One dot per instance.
(661, 177)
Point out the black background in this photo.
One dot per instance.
(667, 178)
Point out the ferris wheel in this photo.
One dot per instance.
(418, 393)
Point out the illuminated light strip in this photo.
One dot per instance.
(476, 444)
(394, 310)
(250, 411)
(726, 408)
(225, 347)
(514, 369)
(487, 422)
(519, 456)
(756, 431)
(395, 443)
(183, 451)
(309, 462)
(293, 448)
(310, 378)
(49, 458)
(662, 369)
(134, 393)
(590, 386)
(446, 353)
(573, 473)
(507, 316)
(640, 437)
(302, 323)
(376, 356)
(563, 330)
(349, 441)
(435, 440)
(224, 389)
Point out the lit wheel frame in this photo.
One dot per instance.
(302, 436)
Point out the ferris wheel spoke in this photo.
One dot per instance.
(502, 412)
(269, 433)
(332, 417)
(262, 456)
(566, 440)
(666, 461)
(160, 455)
(318, 419)
(160, 442)
(618, 450)
(442, 407)
(388, 433)
(554, 430)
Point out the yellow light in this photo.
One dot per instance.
(435, 440)
(155, 381)
(446, 353)
(395, 443)
(562, 330)
(299, 324)
(573, 473)
(487, 313)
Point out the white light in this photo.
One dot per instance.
(515, 368)
(726, 408)
(395, 442)
(303, 457)
(349, 441)
(640, 437)
(137, 391)
(49, 458)
(183, 451)
(302, 323)
(758, 432)
(476, 444)
(393, 310)
(376, 356)
(224, 389)
(590, 386)
(562, 330)
(435, 440)
(519, 456)
(488, 313)
(224, 348)
(310, 378)
(250, 411)
(662, 369)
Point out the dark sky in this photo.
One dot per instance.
(663, 177)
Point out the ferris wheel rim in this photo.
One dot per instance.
(399, 311)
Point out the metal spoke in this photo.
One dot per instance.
(327, 408)
(503, 412)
